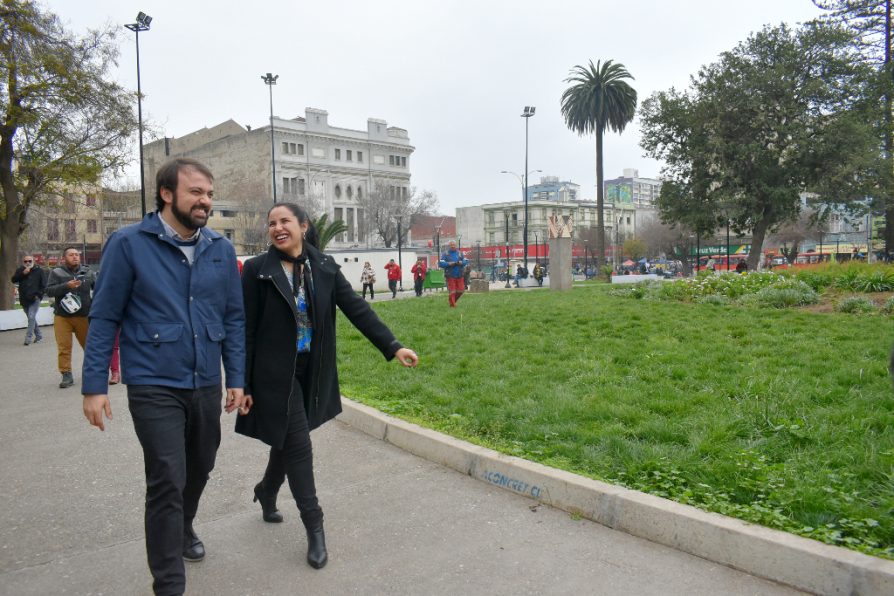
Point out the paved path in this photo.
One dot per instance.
(72, 523)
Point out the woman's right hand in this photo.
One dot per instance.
(246, 405)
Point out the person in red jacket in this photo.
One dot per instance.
(393, 276)
(418, 271)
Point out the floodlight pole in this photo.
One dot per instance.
(270, 80)
(142, 24)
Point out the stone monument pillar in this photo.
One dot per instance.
(560, 230)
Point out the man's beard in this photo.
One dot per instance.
(186, 219)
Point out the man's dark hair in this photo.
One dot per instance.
(68, 248)
(301, 215)
(169, 173)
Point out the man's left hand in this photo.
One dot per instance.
(235, 400)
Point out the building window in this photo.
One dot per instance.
(300, 149)
(338, 154)
(229, 234)
(403, 161)
(359, 224)
(350, 192)
(390, 160)
(628, 220)
(301, 186)
(91, 226)
(70, 231)
(515, 219)
(359, 191)
(350, 223)
(91, 201)
(53, 230)
(285, 147)
(490, 218)
(337, 189)
(348, 155)
(360, 156)
(230, 212)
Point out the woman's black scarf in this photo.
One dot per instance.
(299, 266)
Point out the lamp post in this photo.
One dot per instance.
(400, 262)
(270, 80)
(536, 248)
(506, 213)
(586, 262)
(438, 240)
(727, 242)
(821, 247)
(528, 112)
(142, 24)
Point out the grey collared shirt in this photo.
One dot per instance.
(188, 250)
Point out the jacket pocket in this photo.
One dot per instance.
(158, 333)
(216, 335)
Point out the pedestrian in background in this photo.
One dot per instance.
(368, 279)
(453, 263)
(291, 293)
(71, 285)
(173, 288)
(32, 281)
(394, 274)
(418, 270)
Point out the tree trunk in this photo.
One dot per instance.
(9, 249)
(757, 243)
(600, 203)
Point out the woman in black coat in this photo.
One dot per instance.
(291, 383)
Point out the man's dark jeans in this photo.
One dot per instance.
(179, 430)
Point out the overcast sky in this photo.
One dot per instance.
(456, 74)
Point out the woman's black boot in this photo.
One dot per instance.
(268, 504)
(317, 556)
(316, 548)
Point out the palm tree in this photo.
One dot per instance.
(598, 99)
(327, 231)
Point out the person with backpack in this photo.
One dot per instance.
(453, 263)
(71, 285)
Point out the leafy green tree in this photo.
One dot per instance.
(780, 115)
(870, 21)
(599, 98)
(63, 122)
(634, 248)
(327, 231)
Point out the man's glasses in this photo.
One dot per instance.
(27, 261)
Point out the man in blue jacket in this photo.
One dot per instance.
(173, 288)
(453, 263)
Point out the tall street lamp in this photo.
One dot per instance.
(400, 261)
(529, 111)
(506, 213)
(142, 24)
(270, 80)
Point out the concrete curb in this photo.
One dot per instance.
(16, 318)
(778, 556)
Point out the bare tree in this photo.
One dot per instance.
(673, 241)
(388, 201)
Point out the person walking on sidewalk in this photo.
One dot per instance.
(72, 287)
(453, 263)
(291, 387)
(394, 274)
(32, 280)
(173, 288)
(368, 279)
(418, 270)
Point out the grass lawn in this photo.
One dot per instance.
(780, 417)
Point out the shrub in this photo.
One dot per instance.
(879, 280)
(888, 306)
(715, 299)
(856, 304)
(784, 295)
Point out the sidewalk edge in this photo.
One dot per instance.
(771, 554)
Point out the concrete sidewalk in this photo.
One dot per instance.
(72, 520)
